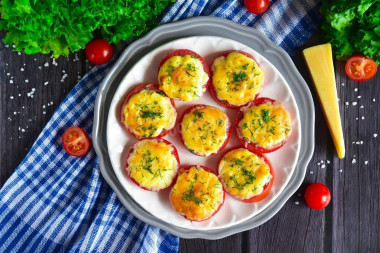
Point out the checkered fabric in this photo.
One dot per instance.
(57, 203)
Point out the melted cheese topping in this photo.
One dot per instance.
(152, 164)
(243, 173)
(183, 77)
(237, 78)
(197, 194)
(204, 130)
(266, 124)
(147, 113)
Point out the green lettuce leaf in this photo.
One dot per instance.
(353, 27)
(64, 26)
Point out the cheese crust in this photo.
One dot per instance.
(148, 113)
(243, 173)
(183, 77)
(205, 129)
(237, 78)
(197, 194)
(152, 164)
(267, 124)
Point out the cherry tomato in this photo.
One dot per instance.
(213, 91)
(317, 196)
(267, 187)
(99, 51)
(360, 68)
(252, 146)
(139, 88)
(174, 152)
(189, 110)
(183, 170)
(256, 6)
(75, 141)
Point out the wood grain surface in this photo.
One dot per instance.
(32, 86)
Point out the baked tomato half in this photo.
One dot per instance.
(197, 194)
(76, 141)
(152, 164)
(360, 68)
(147, 112)
(245, 175)
(204, 129)
(263, 126)
(183, 74)
(236, 78)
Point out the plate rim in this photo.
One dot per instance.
(220, 27)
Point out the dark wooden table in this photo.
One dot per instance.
(32, 86)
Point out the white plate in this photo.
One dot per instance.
(119, 141)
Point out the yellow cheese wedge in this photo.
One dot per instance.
(320, 64)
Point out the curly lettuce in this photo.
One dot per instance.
(353, 27)
(64, 26)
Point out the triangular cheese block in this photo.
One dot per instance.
(320, 63)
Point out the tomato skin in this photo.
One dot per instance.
(251, 146)
(99, 51)
(137, 89)
(75, 135)
(212, 89)
(256, 6)
(267, 187)
(179, 126)
(317, 196)
(182, 52)
(182, 170)
(360, 68)
(174, 152)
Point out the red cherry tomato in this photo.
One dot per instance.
(174, 152)
(75, 141)
(360, 68)
(267, 187)
(99, 51)
(317, 196)
(179, 127)
(213, 91)
(151, 87)
(183, 170)
(252, 146)
(256, 6)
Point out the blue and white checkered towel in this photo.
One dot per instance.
(56, 203)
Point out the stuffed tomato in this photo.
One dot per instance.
(245, 175)
(264, 125)
(147, 112)
(204, 129)
(152, 164)
(197, 194)
(184, 75)
(236, 79)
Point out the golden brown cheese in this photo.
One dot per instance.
(147, 113)
(266, 124)
(237, 78)
(243, 173)
(152, 164)
(183, 77)
(197, 194)
(204, 130)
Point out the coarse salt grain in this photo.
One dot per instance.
(373, 100)
(356, 89)
(363, 117)
(22, 69)
(46, 83)
(46, 64)
(297, 203)
(361, 107)
(353, 161)
(354, 103)
(365, 162)
(311, 172)
(347, 103)
(10, 81)
(27, 80)
(359, 97)
(43, 112)
(11, 97)
(343, 84)
(19, 53)
(375, 135)
(323, 166)
(328, 162)
(340, 170)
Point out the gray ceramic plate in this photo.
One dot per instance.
(205, 26)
